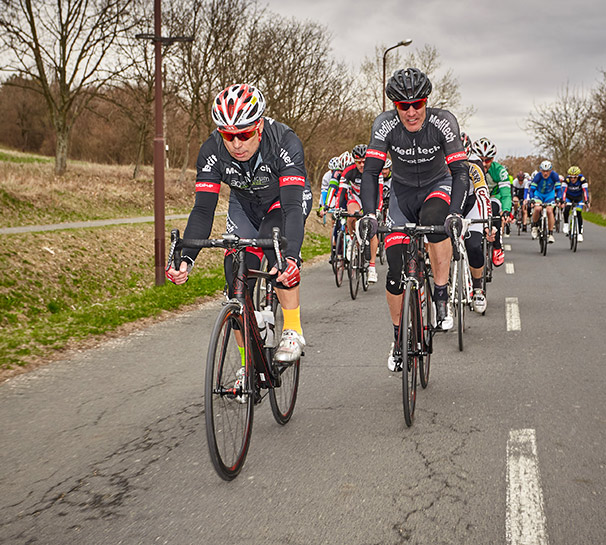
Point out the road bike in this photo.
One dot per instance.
(338, 253)
(240, 371)
(573, 225)
(487, 248)
(414, 345)
(557, 216)
(543, 228)
(461, 282)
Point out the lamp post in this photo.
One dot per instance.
(406, 42)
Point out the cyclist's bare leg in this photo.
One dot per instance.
(289, 299)
(550, 218)
(440, 254)
(536, 213)
(352, 207)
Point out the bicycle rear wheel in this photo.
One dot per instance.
(354, 269)
(228, 398)
(283, 398)
(339, 261)
(382, 255)
(460, 307)
(410, 344)
(427, 316)
(543, 235)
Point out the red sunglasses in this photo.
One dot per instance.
(416, 104)
(243, 136)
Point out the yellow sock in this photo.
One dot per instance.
(292, 319)
(241, 349)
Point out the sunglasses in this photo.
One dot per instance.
(243, 136)
(416, 104)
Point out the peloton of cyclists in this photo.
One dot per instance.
(575, 191)
(544, 189)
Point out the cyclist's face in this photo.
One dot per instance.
(545, 173)
(487, 161)
(244, 150)
(413, 119)
(360, 164)
(385, 172)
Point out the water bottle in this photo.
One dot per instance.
(270, 327)
(261, 323)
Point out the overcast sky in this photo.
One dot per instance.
(507, 55)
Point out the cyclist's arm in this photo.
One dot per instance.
(504, 189)
(456, 159)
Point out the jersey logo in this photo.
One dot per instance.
(208, 187)
(377, 154)
(292, 180)
(385, 128)
(443, 125)
(212, 159)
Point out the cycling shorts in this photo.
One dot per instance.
(518, 192)
(545, 198)
(405, 204)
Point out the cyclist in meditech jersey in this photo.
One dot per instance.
(544, 189)
(350, 184)
(500, 192)
(429, 181)
(477, 206)
(575, 192)
(262, 162)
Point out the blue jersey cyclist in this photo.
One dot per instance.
(544, 189)
(262, 162)
(429, 182)
(575, 193)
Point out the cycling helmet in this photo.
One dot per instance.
(574, 171)
(520, 176)
(387, 163)
(466, 143)
(545, 165)
(346, 160)
(238, 106)
(484, 148)
(359, 151)
(334, 164)
(408, 84)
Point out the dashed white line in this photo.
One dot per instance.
(509, 268)
(512, 314)
(507, 247)
(525, 518)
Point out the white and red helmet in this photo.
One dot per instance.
(238, 106)
(484, 148)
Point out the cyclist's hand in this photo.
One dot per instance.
(291, 275)
(490, 237)
(453, 222)
(180, 276)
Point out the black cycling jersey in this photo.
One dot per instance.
(274, 176)
(419, 158)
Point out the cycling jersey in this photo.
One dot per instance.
(274, 177)
(478, 200)
(499, 185)
(420, 159)
(330, 186)
(351, 182)
(545, 186)
(577, 190)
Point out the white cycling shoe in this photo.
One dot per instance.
(372, 275)
(290, 348)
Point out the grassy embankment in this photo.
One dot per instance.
(59, 289)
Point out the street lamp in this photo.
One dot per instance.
(402, 43)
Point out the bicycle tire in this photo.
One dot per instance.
(333, 253)
(260, 286)
(409, 338)
(544, 235)
(283, 398)
(382, 256)
(339, 264)
(460, 304)
(354, 269)
(229, 416)
(427, 332)
(363, 270)
(574, 234)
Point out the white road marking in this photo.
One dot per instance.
(525, 519)
(512, 313)
(507, 247)
(509, 268)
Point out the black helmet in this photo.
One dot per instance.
(359, 151)
(408, 84)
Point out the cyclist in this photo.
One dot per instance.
(519, 185)
(351, 180)
(544, 189)
(477, 206)
(575, 191)
(500, 192)
(429, 182)
(330, 185)
(262, 162)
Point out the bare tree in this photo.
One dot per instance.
(62, 45)
(559, 128)
(445, 92)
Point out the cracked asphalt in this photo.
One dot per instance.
(108, 446)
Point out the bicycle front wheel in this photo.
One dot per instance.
(543, 236)
(339, 260)
(427, 318)
(228, 395)
(574, 234)
(354, 269)
(460, 303)
(410, 344)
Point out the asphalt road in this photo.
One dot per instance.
(508, 443)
